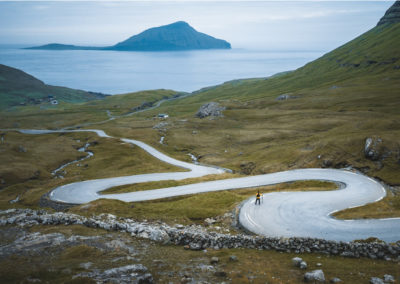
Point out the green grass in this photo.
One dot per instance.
(190, 209)
(28, 174)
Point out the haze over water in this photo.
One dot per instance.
(115, 72)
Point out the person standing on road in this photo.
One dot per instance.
(258, 196)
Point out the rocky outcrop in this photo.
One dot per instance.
(373, 148)
(196, 237)
(392, 15)
(210, 109)
(315, 276)
(133, 273)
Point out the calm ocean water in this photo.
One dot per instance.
(115, 72)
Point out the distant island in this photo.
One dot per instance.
(177, 36)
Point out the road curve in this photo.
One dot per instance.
(281, 214)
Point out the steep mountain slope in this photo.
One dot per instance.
(18, 87)
(392, 15)
(173, 37)
(330, 107)
(375, 52)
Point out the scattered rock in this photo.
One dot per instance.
(296, 261)
(285, 97)
(195, 246)
(373, 148)
(303, 265)
(134, 273)
(335, 280)
(209, 221)
(186, 279)
(214, 260)
(319, 264)
(210, 109)
(21, 149)
(387, 278)
(376, 280)
(161, 126)
(86, 265)
(159, 235)
(193, 237)
(314, 276)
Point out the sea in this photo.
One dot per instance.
(119, 72)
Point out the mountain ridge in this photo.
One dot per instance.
(177, 36)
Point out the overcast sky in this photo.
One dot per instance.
(311, 25)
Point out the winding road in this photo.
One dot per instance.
(283, 214)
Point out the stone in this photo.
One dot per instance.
(86, 265)
(214, 260)
(303, 265)
(373, 148)
(209, 221)
(210, 109)
(186, 279)
(376, 280)
(161, 126)
(314, 276)
(319, 264)
(195, 246)
(145, 279)
(159, 236)
(285, 97)
(387, 278)
(296, 261)
(126, 269)
(335, 280)
(21, 149)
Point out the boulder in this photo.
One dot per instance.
(210, 109)
(314, 276)
(335, 280)
(303, 265)
(209, 221)
(214, 260)
(387, 278)
(376, 280)
(159, 235)
(373, 148)
(296, 261)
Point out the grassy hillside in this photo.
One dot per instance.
(20, 88)
(340, 99)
